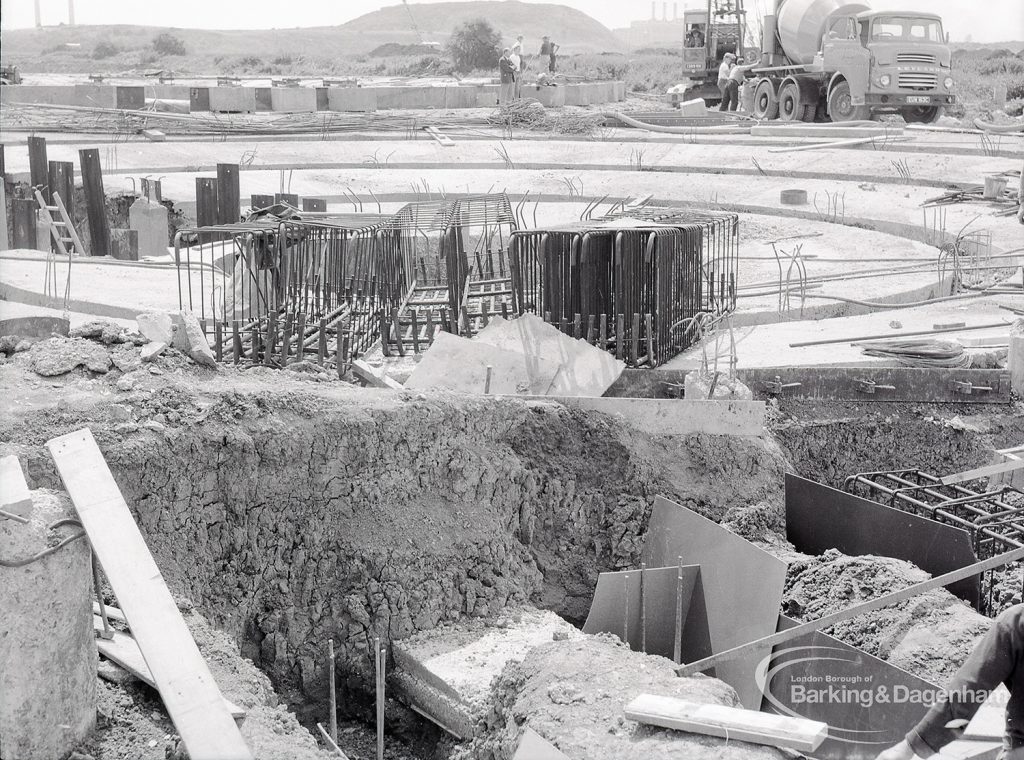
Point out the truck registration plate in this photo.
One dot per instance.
(918, 99)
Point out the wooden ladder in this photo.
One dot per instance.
(61, 229)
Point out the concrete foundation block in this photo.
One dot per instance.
(549, 97)
(263, 99)
(359, 99)
(150, 221)
(697, 385)
(233, 99)
(293, 99)
(461, 97)
(410, 97)
(199, 99)
(695, 107)
(576, 95)
(487, 96)
(95, 95)
(130, 98)
(47, 650)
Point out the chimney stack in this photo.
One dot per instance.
(675, 11)
(71, 12)
(654, 12)
(39, 17)
(664, 11)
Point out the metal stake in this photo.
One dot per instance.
(379, 655)
(643, 610)
(625, 616)
(333, 717)
(677, 649)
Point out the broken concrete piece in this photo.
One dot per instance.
(196, 345)
(697, 385)
(14, 494)
(156, 326)
(459, 364)
(34, 327)
(102, 330)
(58, 356)
(374, 379)
(585, 369)
(448, 670)
(125, 357)
(152, 350)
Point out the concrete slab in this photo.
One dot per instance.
(352, 99)
(293, 99)
(458, 662)
(666, 417)
(549, 97)
(149, 220)
(232, 99)
(462, 96)
(585, 370)
(459, 364)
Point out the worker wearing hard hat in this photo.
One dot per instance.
(997, 658)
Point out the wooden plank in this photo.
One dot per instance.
(4, 239)
(228, 194)
(533, 746)
(982, 472)
(730, 723)
(441, 138)
(181, 675)
(878, 603)
(23, 222)
(880, 383)
(39, 175)
(207, 207)
(95, 202)
(62, 180)
(154, 135)
(366, 373)
(14, 495)
(124, 650)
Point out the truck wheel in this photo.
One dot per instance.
(922, 114)
(766, 102)
(841, 107)
(790, 108)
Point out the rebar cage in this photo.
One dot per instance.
(640, 274)
(993, 524)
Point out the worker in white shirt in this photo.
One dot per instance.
(723, 79)
(519, 61)
(737, 75)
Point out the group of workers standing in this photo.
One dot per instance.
(512, 65)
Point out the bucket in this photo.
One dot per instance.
(994, 187)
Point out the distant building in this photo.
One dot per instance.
(655, 32)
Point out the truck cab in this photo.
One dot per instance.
(890, 62)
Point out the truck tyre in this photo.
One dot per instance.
(922, 114)
(766, 102)
(790, 108)
(841, 107)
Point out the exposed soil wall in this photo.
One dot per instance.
(318, 511)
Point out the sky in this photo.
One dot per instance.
(988, 21)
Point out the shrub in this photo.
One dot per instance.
(168, 44)
(474, 45)
(105, 49)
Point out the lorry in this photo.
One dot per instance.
(828, 60)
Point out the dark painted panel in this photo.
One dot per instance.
(819, 518)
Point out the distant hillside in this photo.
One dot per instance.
(574, 30)
(47, 49)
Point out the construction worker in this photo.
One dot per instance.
(737, 75)
(548, 49)
(695, 37)
(520, 62)
(506, 77)
(997, 658)
(723, 80)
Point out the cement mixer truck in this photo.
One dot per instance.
(824, 60)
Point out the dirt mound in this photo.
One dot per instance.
(573, 694)
(929, 635)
